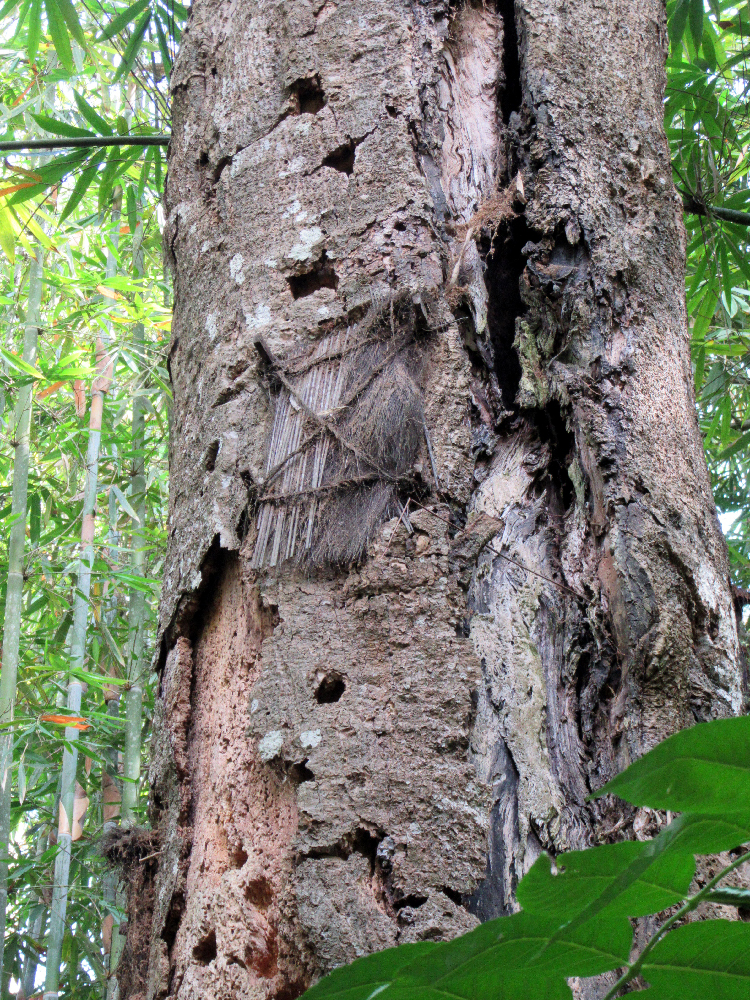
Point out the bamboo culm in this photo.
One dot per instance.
(58, 908)
(12, 625)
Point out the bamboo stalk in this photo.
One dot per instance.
(137, 601)
(12, 625)
(58, 908)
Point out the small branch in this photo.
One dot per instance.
(694, 207)
(86, 142)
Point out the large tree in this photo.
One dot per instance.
(443, 553)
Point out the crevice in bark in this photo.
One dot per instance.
(413, 900)
(453, 895)
(504, 265)
(361, 841)
(553, 431)
(511, 97)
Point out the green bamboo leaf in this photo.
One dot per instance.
(21, 781)
(61, 128)
(69, 15)
(34, 29)
(678, 22)
(51, 173)
(119, 23)
(59, 34)
(704, 769)
(7, 8)
(20, 365)
(133, 47)
(111, 644)
(163, 47)
(92, 117)
(696, 23)
(124, 503)
(7, 234)
(741, 444)
(131, 209)
(83, 183)
(706, 959)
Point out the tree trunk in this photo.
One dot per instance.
(443, 552)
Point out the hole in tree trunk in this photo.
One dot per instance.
(309, 94)
(321, 276)
(205, 951)
(330, 689)
(211, 453)
(342, 158)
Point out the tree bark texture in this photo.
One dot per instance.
(370, 723)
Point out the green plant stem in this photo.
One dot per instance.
(137, 603)
(690, 904)
(56, 933)
(12, 625)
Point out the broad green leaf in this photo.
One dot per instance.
(526, 943)
(582, 876)
(706, 960)
(730, 896)
(374, 972)
(705, 769)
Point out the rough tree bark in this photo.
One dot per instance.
(351, 753)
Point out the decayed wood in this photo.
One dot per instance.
(375, 753)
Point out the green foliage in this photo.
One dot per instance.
(709, 135)
(60, 79)
(574, 920)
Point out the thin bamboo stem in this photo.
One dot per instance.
(12, 625)
(99, 387)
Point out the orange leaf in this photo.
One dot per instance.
(124, 230)
(72, 721)
(24, 173)
(14, 187)
(103, 290)
(49, 390)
